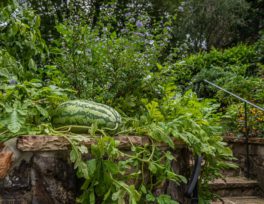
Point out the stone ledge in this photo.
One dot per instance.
(240, 200)
(56, 143)
(235, 186)
(233, 182)
(242, 140)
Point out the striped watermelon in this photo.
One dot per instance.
(85, 113)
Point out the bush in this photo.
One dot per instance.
(238, 69)
(107, 67)
(21, 38)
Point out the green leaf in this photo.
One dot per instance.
(37, 21)
(152, 167)
(175, 177)
(169, 156)
(91, 165)
(92, 197)
(159, 66)
(165, 199)
(83, 149)
(111, 166)
(106, 196)
(32, 65)
(22, 112)
(86, 184)
(83, 169)
(42, 111)
(4, 73)
(150, 197)
(15, 122)
(73, 155)
(115, 195)
(143, 188)
(154, 112)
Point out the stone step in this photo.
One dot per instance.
(13, 201)
(235, 186)
(240, 200)
(233, 172)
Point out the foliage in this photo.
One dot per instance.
(21, 38)
(197, 124)
(28, 93)
(234, 120)
(9, 65)
(238, 69)
(108, 67)
(241, 64)
(197, 25)
(183, 118)
(121, 69)
(107, 178)
(254, 21)
(207, 24)
(26, 106)
(241, 55)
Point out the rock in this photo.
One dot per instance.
(5, 163)
(53, 178)
(33, 143)
(1, 146)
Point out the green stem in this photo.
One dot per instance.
(2, 133)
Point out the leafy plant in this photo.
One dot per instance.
(29, 90)
(20, 37)
(235, 120)
(113, 176)
(24, 106)
(238, 69)
(109, 66)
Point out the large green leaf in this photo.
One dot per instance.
(165, 199)
(15, 121)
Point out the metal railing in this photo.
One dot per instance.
(192, 186)
(246, 132)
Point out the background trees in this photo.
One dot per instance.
(201, 24)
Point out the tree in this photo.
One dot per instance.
(206, 24)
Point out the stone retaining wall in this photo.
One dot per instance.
(41, 172)
(256, 156)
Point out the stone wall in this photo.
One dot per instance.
(41, 172)
(256, 157)
(46, 178)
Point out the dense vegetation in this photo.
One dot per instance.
(144, 60)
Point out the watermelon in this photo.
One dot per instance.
(85, 113)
